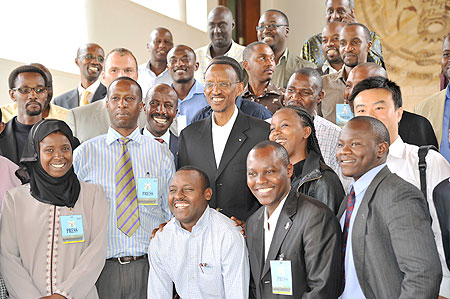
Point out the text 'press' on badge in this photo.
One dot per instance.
(343, 114)
(72, 229)
(147, 191)
(281, 274)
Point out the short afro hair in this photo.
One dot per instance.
(203, 176)
(378, 128)
(127, 79)
(228, 61)
(25, 69)
(279, 149)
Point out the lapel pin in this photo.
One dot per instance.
(286, 226)
(239, 139)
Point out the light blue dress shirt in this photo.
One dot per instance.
(193, 102)
(209, 262)
(352, 288)
(94, 161)
(445, 145)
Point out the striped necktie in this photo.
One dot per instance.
(84, 98)
(348, 215)
(126, 197)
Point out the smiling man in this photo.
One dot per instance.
(27, 87)
(220, 31)
(259, 63)
(330, 47)
(388, 242)
(292, 238)
(208, 256)
(90, 62)
(219, 144)
(134, 170)
(155, 71)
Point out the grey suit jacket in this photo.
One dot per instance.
(71, 99)
(228, 181)
(394, 251)
(92, 120)
(308, 234)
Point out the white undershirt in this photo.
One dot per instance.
(271, 222)
(220, 135)
(165, 136)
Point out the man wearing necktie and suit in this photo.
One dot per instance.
(90, 61)
(388, 245)
(290, 230)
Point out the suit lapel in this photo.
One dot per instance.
(100, 93)
(234, 142)
(102, 116)
(284, 224)
(359, 226)
(258, 241)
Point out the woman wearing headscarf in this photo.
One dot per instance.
(53, 231)
(293, 128)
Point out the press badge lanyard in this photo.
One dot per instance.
(147, 190)
(281, 273)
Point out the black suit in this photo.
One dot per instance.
(228, 181)
(71, 99)
(416, 129)
(8, 143)
(308, 234)
(442, 203)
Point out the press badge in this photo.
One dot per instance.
(343, 114)
(147, 191)
(281, 277)
(72, 229)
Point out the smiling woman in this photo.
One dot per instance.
(53, 231)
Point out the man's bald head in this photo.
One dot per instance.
(163, 89)
(361, 72)
(220, 27)
(161, 104)
(160, 41)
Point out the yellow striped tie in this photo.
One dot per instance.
(84, 98)
(126, 197)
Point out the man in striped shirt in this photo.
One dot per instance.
(134, 170)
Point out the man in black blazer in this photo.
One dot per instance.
(219, 144)
(160, 109)
(412, 128)
(388, 244)
(442, 204)
(290, 228)
(90, 61)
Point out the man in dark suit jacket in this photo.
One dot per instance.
(412, 128)
(289, 227)
(389, 248)
(442, 204)
(220, 143)
(160, 108)
(90, 61)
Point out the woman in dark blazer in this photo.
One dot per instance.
(293, 127)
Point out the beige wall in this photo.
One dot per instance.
(306, 18)
(113, 23)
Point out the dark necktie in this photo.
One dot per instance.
(348, 215)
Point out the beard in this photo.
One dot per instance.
(33, 112)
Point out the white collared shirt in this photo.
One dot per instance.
(270, 223)
(165, 137)
(403, 160)
(220, 135)
(92, 89)
(147, 78)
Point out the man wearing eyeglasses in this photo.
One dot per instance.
(220, 29)
(27, 87)
(90, 61)
(273, 29)
(219, 144)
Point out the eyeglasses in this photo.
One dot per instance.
(269, 27)
(220, 85)
(90, 57)
(27, 90)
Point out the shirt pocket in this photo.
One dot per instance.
(210, 281)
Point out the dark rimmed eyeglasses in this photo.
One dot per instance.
(90, 57)
(27, 90)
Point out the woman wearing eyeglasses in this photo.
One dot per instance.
(293, 128)
(53, 230)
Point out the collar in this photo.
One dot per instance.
(284, 56)
(165, 136)
(208, 51)
(270, 89)
(397, 148)
(239, 101)
(275, 215)
(340, 74)
(147, 67)
(230, 121)
(364, 181)
(327, 66)
(113, 135)
(201, 224)
(92, 88)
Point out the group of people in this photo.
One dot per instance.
(226, 171)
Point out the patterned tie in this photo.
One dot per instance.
(126, 196)
(348, 215)
(160, 140)
(84, 98)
